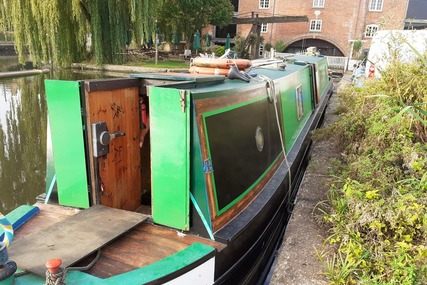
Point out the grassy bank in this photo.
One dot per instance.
(377, 207)
(169, 64)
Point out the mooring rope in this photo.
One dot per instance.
(57, 278)
(55, 275)
(271, 91)
(90, 265)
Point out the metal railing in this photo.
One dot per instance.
(337, 62)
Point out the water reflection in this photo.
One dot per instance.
(23, 139)
(10, 63)
(23, 133)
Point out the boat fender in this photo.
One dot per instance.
(8, 230)
(209, 70)
(220, 62)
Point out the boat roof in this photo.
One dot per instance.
(202, 83)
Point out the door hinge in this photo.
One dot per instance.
(182, 99)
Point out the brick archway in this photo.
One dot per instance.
(325, 46)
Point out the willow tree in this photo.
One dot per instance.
(5, 25)
(188, 16)
(62, 32)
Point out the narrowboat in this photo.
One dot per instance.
(203, 198)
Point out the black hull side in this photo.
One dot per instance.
(255, 234)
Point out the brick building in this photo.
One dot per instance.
(332, 26)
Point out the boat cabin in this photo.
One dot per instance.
(211, 146)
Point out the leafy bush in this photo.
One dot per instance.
(219, 50)
(240, 47)
(280, 46)
(378, 205)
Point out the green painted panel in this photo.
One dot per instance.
(322, 76)
(74, 277)
(296, 104)
(30, 279)
(164, 267)
(170, 163)
(63, 100)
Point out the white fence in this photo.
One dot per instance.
(335, 63)
(338, 63)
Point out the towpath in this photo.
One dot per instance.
(297, 262)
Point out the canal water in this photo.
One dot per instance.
(23, 133)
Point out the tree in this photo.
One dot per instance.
(62, 32)
(188, 16)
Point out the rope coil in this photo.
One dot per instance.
(57, 278)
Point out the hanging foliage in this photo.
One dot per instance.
(143, 14)
(5, 25)
(62, 32)
(174, 16)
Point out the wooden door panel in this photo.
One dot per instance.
(119, 171)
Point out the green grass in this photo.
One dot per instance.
(172, 63)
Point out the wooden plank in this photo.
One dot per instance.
(110, 84)
(143, 245)
(73, 238)
(48, 215)
(273, 19)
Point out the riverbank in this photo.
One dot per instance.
(125, 68)
(7, 49)
(297, 262)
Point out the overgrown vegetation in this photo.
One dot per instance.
(377, 209)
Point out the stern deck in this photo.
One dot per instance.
(137, 247)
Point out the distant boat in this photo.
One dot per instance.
(206, 198)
